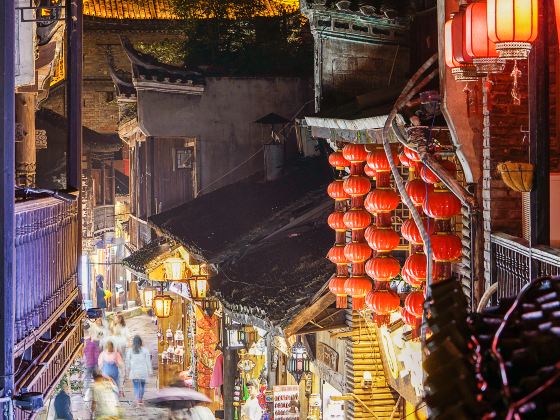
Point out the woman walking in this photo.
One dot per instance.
(110, 361)
(139, 367)
(119, 333)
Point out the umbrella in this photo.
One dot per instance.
(176, 398)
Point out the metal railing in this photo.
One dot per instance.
(515, 263)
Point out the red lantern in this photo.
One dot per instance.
(411, 154)
(442, 204)
(431, 178)
(458, 24)
(415, 269)
(405, 274)
(336, 221)
(382, 201)
(383, 303)
(478, 44)
(446, 247)
(356, 219)
(454, 51)
(448, 45)
(355, 153)
(410, 232)
(513, 26)
(383, 268)
(370, 172)
(337, 160)
(382, 239)
(405, 161)
(357, 252)
(336, 190)
(377, 160)
(336, 254)
(357, 288)
(417, 190)
(356, 185)
(410, 319)
(414, 303)
(336, 287)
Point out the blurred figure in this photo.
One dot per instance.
(105, 400)
(63, 403)
(110, 361)
(200, 412)
(139, 367)
(120, 333)
(100, 293)
(91, 355)
(252, 410)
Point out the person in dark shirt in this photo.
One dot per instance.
(63, 403)
(100, 291)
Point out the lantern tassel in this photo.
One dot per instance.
(358, 303)
(341, 301)
(381, 320)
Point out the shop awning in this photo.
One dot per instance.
(141, 261)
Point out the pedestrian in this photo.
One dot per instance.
(120, 333)
(105, 400)
(200, 412)
(91, 358)
(110, 361)
(139, 367)
(63, 403)
(100, 293)
(252, 410)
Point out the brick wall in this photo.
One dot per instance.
(100, 110)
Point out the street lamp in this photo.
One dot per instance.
(176, 269)
(148, 295)
(162, 305)
(298, 365)
(199, 287)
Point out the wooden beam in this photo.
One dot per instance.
(7, 216)
(309, 313)
(539, 149)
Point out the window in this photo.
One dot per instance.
(184, 158)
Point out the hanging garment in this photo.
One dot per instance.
(217, 378)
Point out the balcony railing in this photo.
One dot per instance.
(46, 266)
(514, 263)
(103, 219)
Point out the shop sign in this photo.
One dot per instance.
(328, 356)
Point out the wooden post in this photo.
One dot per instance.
(230, 373)
(7, 234)
(539, 132)
(26, 155)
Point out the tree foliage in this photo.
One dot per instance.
(244, 37)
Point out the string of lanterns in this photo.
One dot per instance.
(372, 240)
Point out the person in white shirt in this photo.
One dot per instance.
(138, 367)
(252, 410)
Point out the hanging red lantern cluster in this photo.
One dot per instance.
(383, 303)
(357, 220)
(336, 222)
(483, 34)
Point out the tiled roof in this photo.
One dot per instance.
(157, 9)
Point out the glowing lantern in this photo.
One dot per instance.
(405, 161)
(410, 319)
(383, 268)
(337, 160)
(410, 232)
(356, 185)
(382, 200)
(176, 269)
(369, 172)
(442, 204)
(336, 190)
(460, 71)
(357, 252)
(298, 364)
(417, 190)
(356, 219)
(409, 279)
(148, 294)
(377, 160)
(411, 154)
(414, 303)
(336, 287)
(336, 221)
(431, 178)
(477, 43)
(383, 303)
(382, 239)
(357, 287)
(198, 287)
(336, 254)
(415, 267)
(446, 247)
(355, 153)
(162, 305)
(513, 26)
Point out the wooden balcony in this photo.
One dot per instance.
(514, 263)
